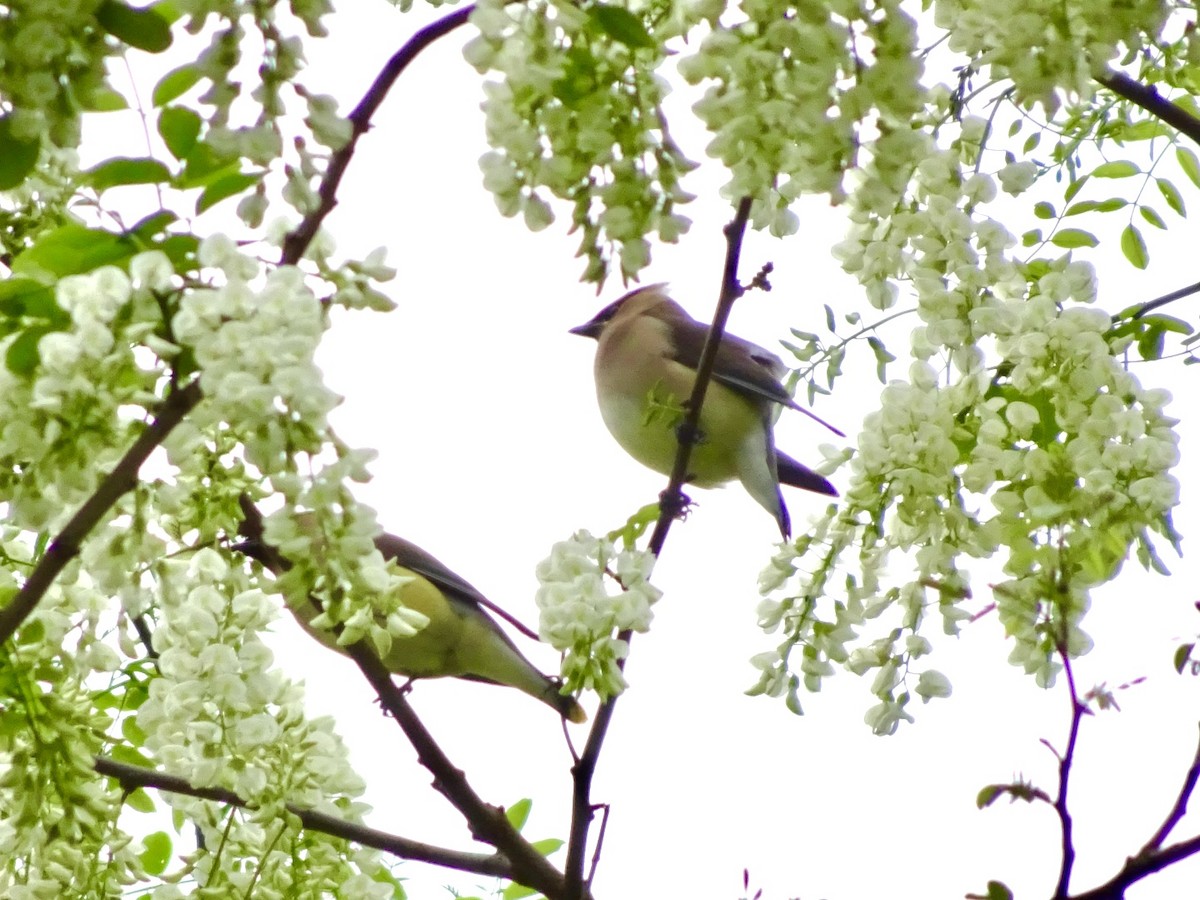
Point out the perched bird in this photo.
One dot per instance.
(648, 351)
(461, 639)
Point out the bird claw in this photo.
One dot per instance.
(676, 504)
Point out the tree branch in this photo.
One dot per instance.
(487, 823)
(298, 240)
(1064, 777)
(1151, 305)
(1178, 810)
(1149, 99)
(118, 482)
(672, 501)
(131, 777)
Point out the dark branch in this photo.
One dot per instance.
(1064, 777)
(1150, 306)
(131, 777)
(585, 768)
(1152, 101)
(298, 240)
(122, 479)
(1178, 810)
(487, 823)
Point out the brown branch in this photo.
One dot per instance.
(1064, 776)
(672, 501)
(298, 240)
(131, 777)
(487, 823)
(1177, 810)
(1151, 305)
(122, 479)
(1149, 99)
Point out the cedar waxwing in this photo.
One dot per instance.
(648, 350)
(461, 639)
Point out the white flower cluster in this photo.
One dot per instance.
(56, 815)
(217, 699)
(254, 338)
(789, 95)
(576, 112)
(334, 559)
(1017, 433)
(1048, 46)
(582, 619)
(64, 422)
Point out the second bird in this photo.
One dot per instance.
(648, 350)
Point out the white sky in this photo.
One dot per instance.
(491, 448)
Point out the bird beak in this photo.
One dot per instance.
(590, 329)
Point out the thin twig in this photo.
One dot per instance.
(131, 777)
(1149, 99)
(672, 499)
(298, 240)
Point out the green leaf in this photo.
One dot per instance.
(1171, 195)
(224, 187)
(1031, 142)
(180, 128)
(1134, 247)
(621, 25)
(518, 813)
(22, 356)
(152, 224)
(139, 800)
(205, 165)
(103, 99)
(175, 84)
(830, 323)
(1029, 238)
(546, 846)
(998, 891)
(157, 852)
(516, 891)
(1152, 216)
(141, 28)
(882, 357)
(126, 170)
(1109, 205)
(989, 795)
(1120, 168)
(1044, 210)
(28, 297)
(1073, 237)
(126, 754)
(1075, 187)
(72, 249)
(18, 155)
(1189, 164)
(1183, 653)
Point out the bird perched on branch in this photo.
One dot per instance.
(460, 640)
(646, 359)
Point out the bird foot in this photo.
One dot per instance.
(676, 504)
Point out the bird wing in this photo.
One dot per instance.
(740, 365)
(412, 557)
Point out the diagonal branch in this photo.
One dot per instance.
(1177, 810)
(672, 501)
(1149, 99)
(487, 823)
(131, 777)
(122, 479)
(298, 240)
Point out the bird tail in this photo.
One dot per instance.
(565, 704)
(801, 476)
